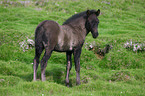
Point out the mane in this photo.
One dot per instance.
(72, 18)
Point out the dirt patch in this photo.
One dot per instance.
(101, 52)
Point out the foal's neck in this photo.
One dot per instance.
(79, 26)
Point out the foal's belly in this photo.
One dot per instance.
(62, 48)
(65, 44)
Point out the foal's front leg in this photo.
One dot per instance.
(77, 53)
(68, 67)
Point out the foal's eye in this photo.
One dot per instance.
(94, 23)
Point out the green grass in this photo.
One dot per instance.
(120, 73)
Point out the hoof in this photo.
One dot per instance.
(67, 85)
(34, 80)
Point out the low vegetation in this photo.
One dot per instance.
(120, 72)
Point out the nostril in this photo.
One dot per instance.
(95, 35)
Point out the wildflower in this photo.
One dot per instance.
(30, 42)
(91, 46)
(27, 44)
(134, 47)
(130, 42)
(126, 45)
(56, 4)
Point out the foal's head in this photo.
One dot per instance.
(92, 22)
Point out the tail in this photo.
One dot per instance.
(39, 33)
(39, 46)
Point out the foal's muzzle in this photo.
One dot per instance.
(95, 34)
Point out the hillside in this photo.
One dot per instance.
(121, 72)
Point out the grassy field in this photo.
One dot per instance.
(120, 73)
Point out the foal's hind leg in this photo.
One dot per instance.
(44, 62)
(38, 51)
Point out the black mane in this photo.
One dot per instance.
(74, 17)
(77, 16)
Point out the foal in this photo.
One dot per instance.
(69, 38)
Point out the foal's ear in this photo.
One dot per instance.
(88, 12)
(98, 12)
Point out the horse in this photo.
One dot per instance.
(68, 37)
